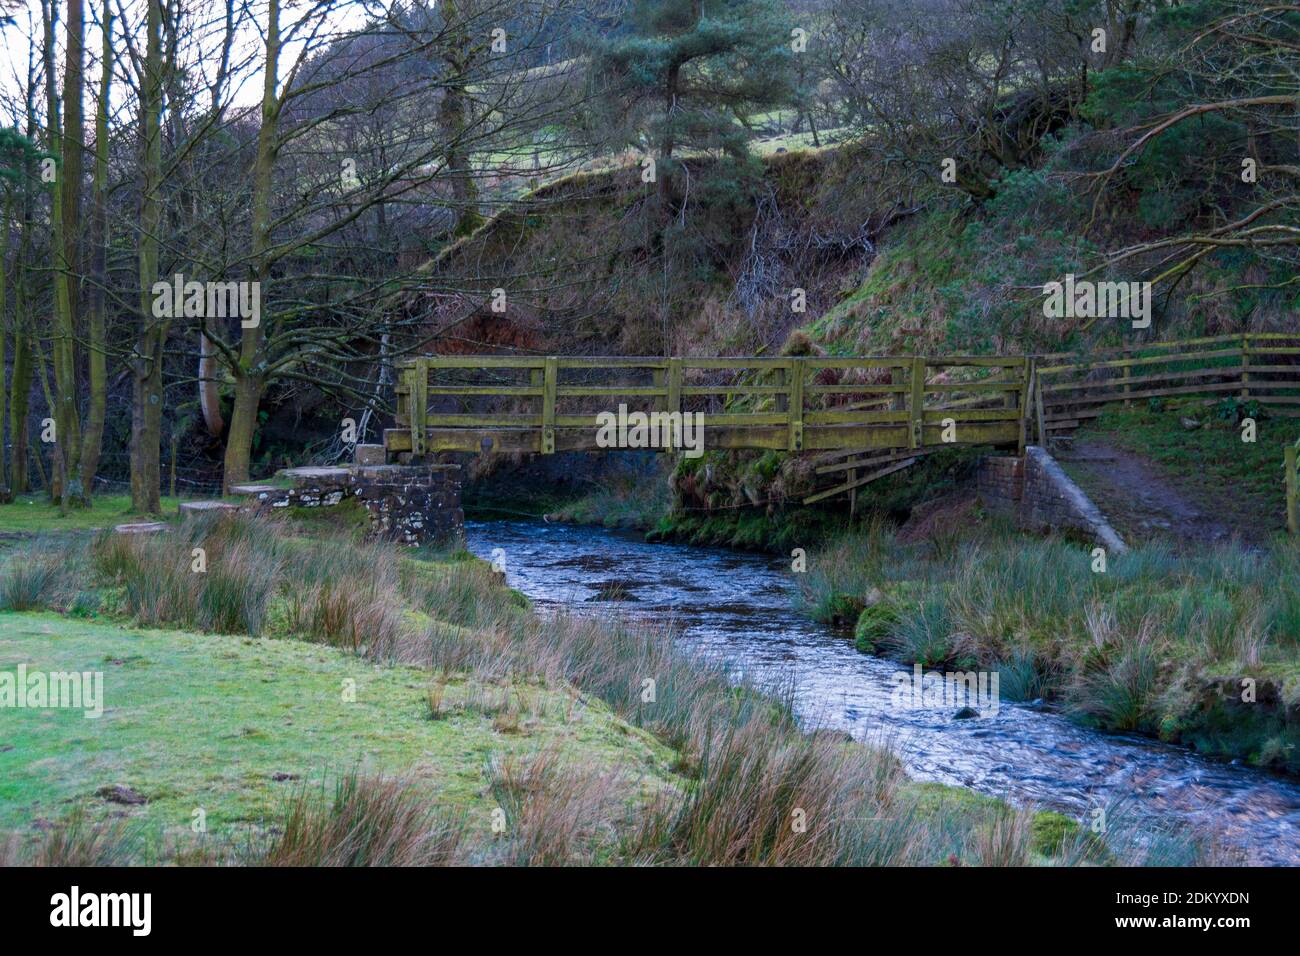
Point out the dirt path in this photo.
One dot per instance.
(1142, 501)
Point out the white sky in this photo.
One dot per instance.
(25, 37)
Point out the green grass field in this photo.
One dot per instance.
(233, 725)
(34, 513)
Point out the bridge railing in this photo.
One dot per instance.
(1263, 367)
(551, 403)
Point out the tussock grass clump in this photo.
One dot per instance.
(42, 574)
(1130, 648)
(834, 590)
(555, 813)
(463, 593)
(764, 796)
(212, 573)
(368, 822)
(76, 840)
(234, 574)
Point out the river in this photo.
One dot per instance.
(740, 606)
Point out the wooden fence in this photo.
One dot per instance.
(1260, 367)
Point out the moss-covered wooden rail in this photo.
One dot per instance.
(548, 404)
(1262, 367)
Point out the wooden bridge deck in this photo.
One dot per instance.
(551, 404)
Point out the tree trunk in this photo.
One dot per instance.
(146, 440)
(243, 422)
(68, 273)
(209, 393)
(20, 387)
(93, 432)
(248, 382)
(146, 364)
(452, 111)
(6, 495)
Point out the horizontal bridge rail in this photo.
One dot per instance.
(551, 403)
(1262, 367)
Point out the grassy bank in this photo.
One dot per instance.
(326, 701)
(1202, 650)
(34, 513)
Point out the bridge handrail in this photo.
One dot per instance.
(790, 382)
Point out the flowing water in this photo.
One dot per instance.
(741, 606)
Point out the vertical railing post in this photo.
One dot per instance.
(659, 379)
(1292, 491)
(916, 408)
(417, 403)
(1245, 366)
(1024, 404)
(674, 401)
(794, 414)
(1037, 399)
(550, 372)
(1126, 370)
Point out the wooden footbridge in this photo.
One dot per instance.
(862, 417)
(876, 408)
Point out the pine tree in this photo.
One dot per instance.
(685, 74)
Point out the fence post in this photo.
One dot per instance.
(916, 409)
(794, 413)
(1038, 408)
(675, 389)
(417, 403)
(1292, 492)
(549, 373)
(1245, 365)
(1024, 404)
(1127, 371)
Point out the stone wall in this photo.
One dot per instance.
(1040, 496)
(411, 503)
(1000, 482)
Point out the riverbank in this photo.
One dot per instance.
(1201, 650)
(302, 679)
